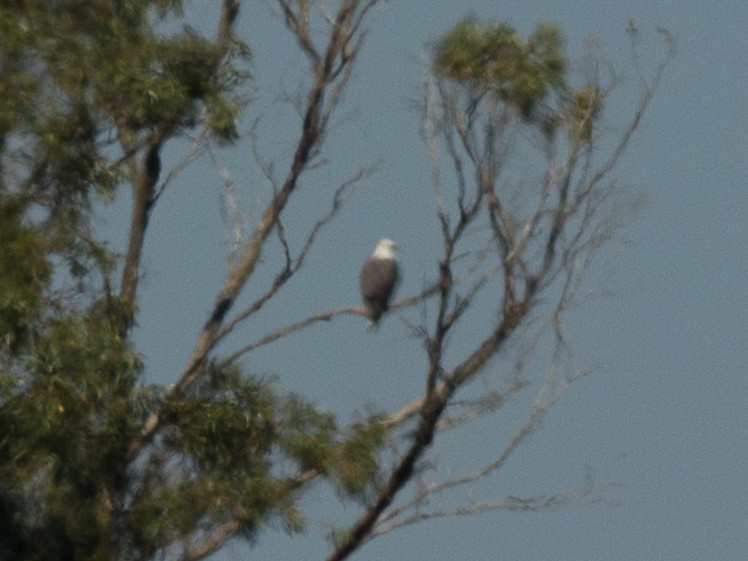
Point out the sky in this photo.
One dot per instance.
(663, 413)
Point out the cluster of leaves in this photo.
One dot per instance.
(81, 85)
(518, 71)
(70, 418)
(105, 58)
(24, 275)
(220, 455)
(67, 420)
(523, 73)
(212, 463)
(349, 457)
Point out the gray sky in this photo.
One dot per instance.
(665, 412)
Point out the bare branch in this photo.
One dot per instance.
(212, 542)
(293, 265)
(290, 328)
(431, 411)
(515, 504)
(232, 203)
(633, 125)
(300, 26)
(197, 149)
(229, 11)
(487, 403)
(322, 316)
(539, 410)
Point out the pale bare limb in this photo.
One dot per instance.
(488, 403)
(232, 202)
(322, 316)
(515, 504)
(541, 407)
(197, 149)
(300, 26)
(293, 265)
(212, 542)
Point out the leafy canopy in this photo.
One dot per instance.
(524, 73)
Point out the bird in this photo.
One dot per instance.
(379, 277)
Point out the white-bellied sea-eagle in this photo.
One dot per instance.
(378, 278)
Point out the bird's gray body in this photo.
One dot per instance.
(378, 278)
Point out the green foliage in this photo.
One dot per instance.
(225, 425)
(530, 76)
(349, 456)
(494, 56)
(83, 85)
(309, 435)
(357, 471)
(584, 108)
(70, 418)
(24, 274)
(76, 75)
(225, 441)
(220, 440)
(67, 425)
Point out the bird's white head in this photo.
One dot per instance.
(385, 249)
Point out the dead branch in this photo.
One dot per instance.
(293, 265)
(539, 410)
(322, 316)
(212, 542)
(515, 504)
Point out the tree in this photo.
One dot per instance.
(95, 465)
